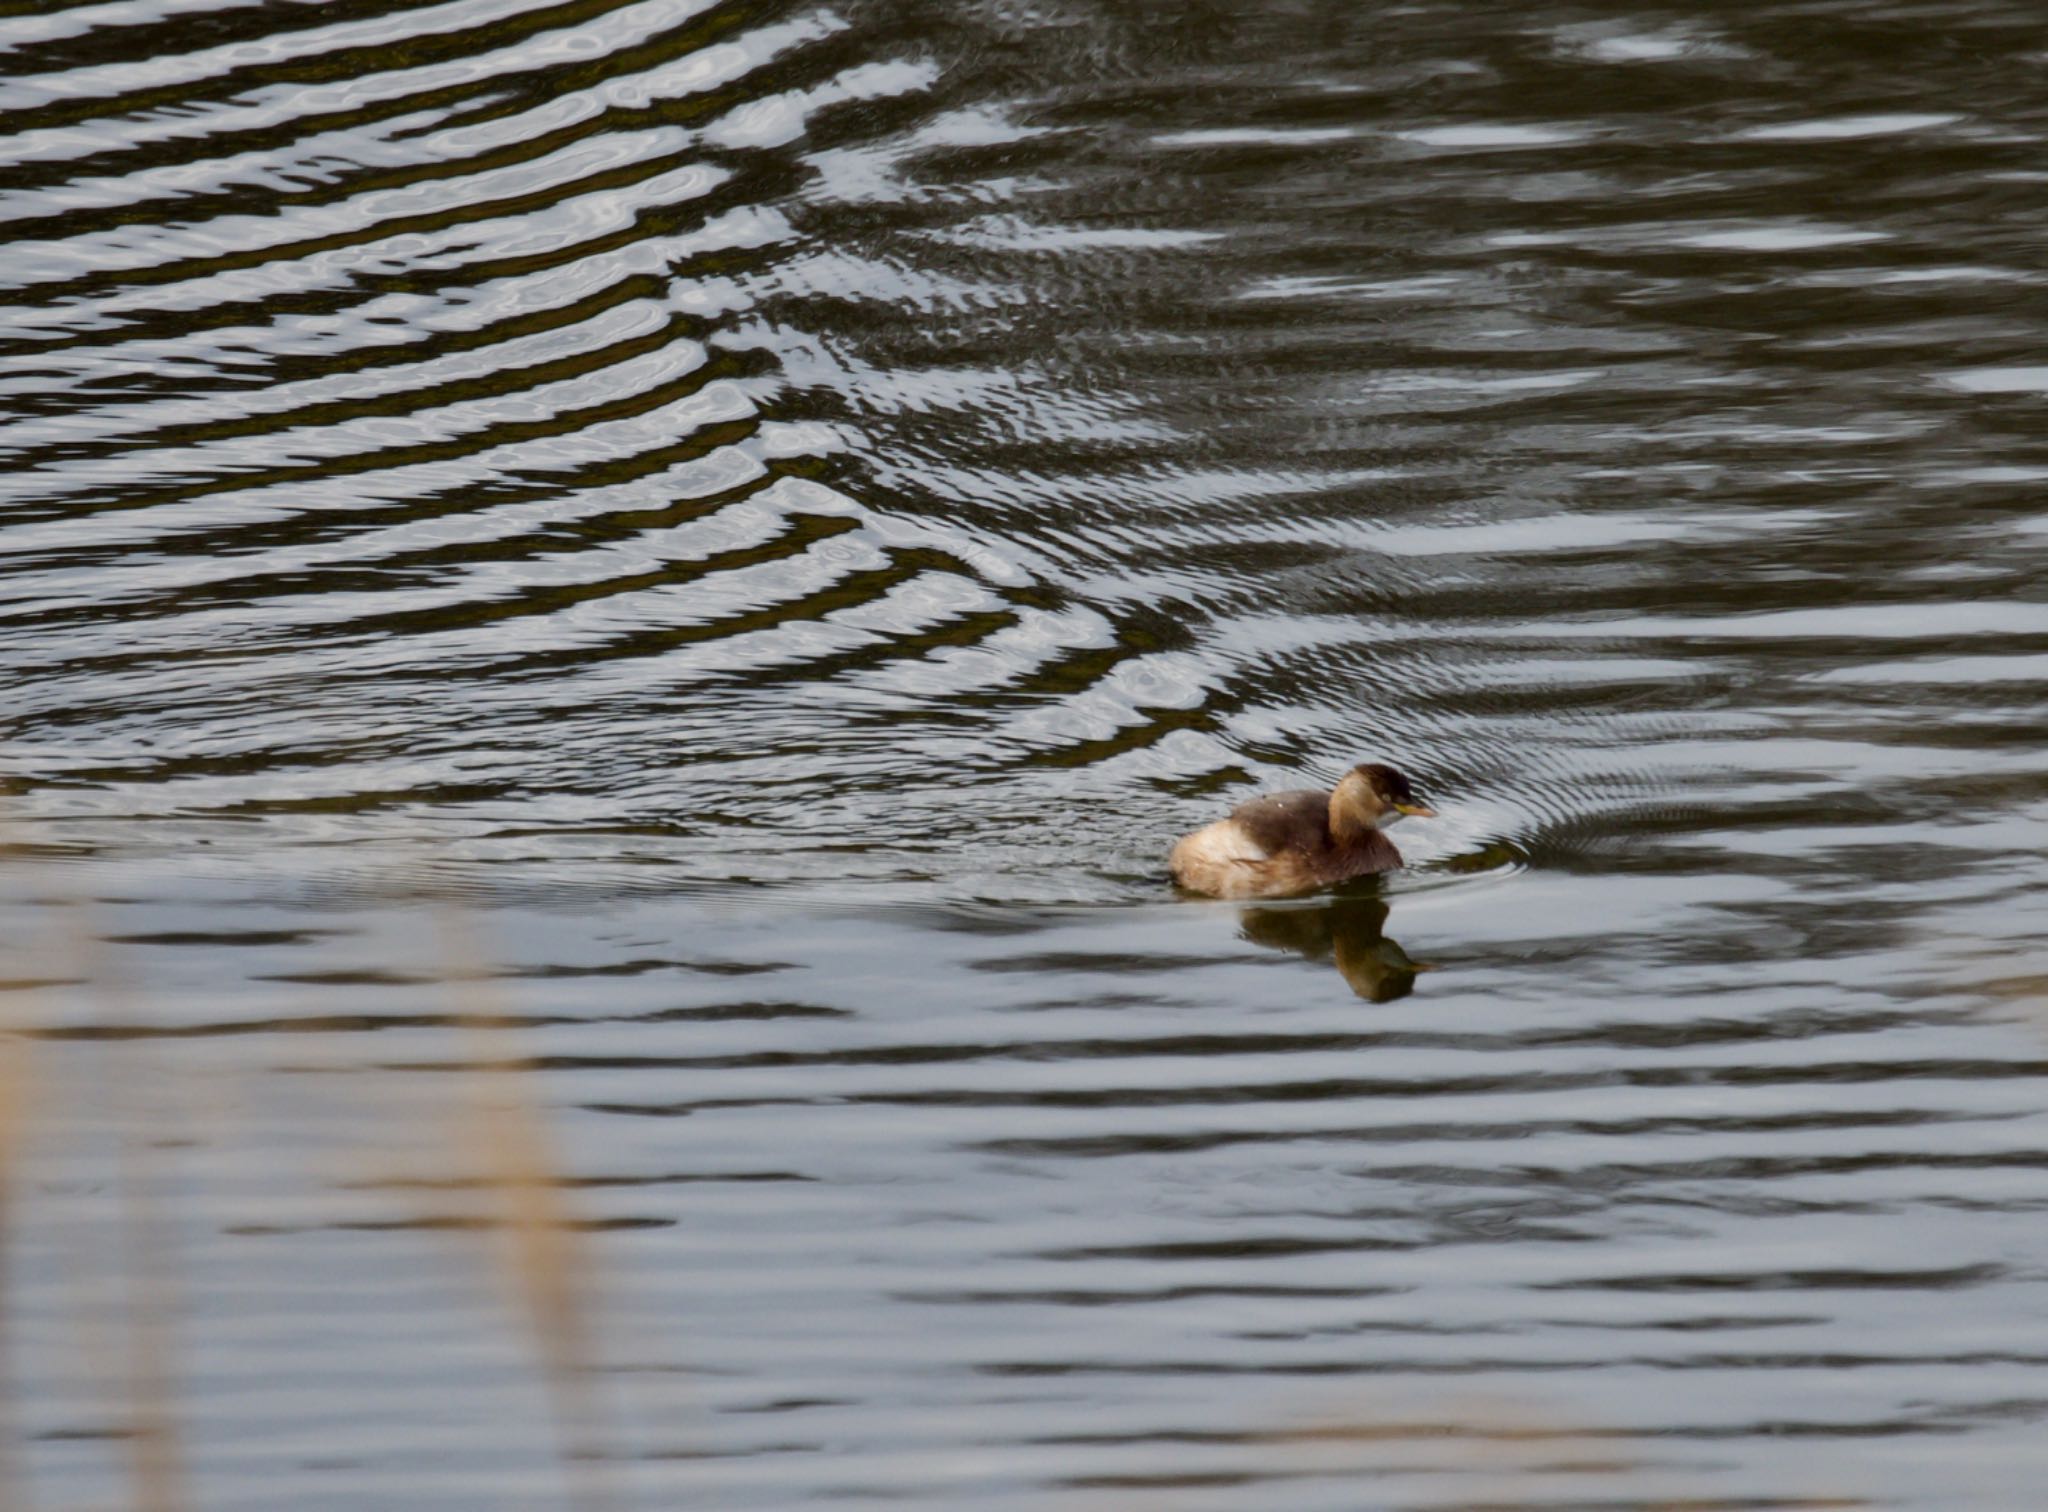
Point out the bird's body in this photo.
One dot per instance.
(1297, 841)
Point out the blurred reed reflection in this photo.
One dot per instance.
(1347, 931)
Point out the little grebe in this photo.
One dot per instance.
(1296, 841)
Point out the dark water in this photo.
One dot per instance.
(761, 522)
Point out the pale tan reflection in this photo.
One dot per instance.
(1347, 931)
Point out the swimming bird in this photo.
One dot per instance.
(1296, 841)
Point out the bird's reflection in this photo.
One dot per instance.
(1348, 931)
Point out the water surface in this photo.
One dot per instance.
(759, 523)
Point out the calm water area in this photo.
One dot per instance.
(607, 611)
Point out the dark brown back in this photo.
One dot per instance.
(1299, 821)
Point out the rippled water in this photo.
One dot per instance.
(763, 521)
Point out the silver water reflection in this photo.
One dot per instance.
(786, 510)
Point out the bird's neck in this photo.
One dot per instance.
(1346, 828)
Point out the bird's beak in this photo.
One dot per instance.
(1415, 810)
